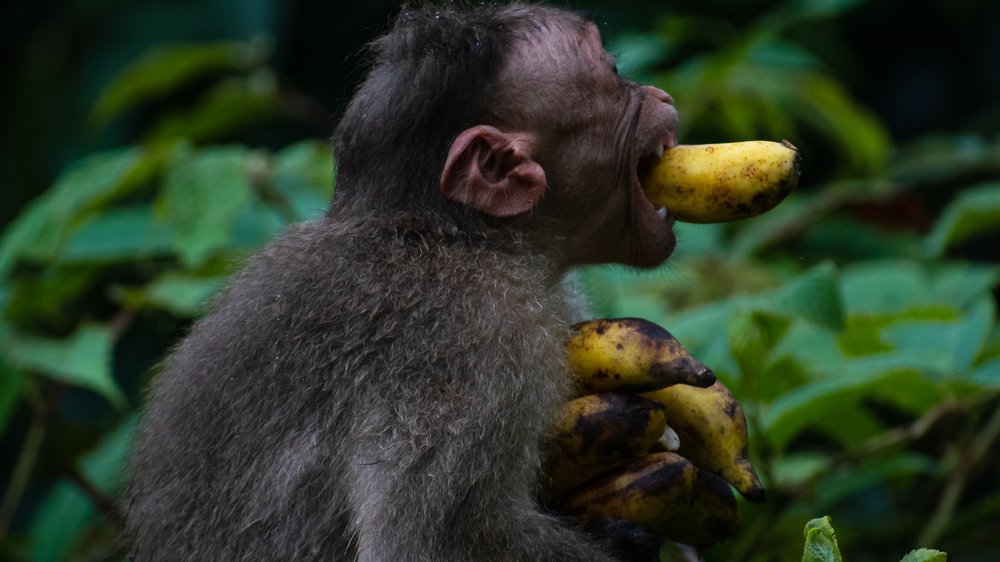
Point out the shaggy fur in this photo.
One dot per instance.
(375, 384)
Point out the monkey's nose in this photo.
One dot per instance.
(659, 94)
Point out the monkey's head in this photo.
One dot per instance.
(509, 118)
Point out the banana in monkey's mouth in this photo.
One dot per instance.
(712, 183)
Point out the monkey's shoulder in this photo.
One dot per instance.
(408, 277)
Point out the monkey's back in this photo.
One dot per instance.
(340, 347)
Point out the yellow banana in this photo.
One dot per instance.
(631, 355)
(647, 491)
(709, 183)
(711, 515)
(597, 433)
(713, 433)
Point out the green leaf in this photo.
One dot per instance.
(975, 212)
(946, 159)
(840, 387)
(700, 330)
(821, 542)
(812, 296)
(752, 335)
(795, 469)
(182, 295)
(884, 286)
(948, 345)
(873, 472)
(845, 238)
(122, 234)
(912, 391)
(203, 193)
(960, 285)
(987, 374)
(40, 230)
(853, 424)
(229, 107)
(972, 333)
(303, 178)
(802, 407)
(810, 344)
(254, 226)
(83, 359)
(51, 294)
(928, 343)
(166, 69)
(637, 54)
(61, 519)
(925, 555)
(863, 336)
(823, 103)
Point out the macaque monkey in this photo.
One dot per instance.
(377, 383)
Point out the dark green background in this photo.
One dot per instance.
(856, 322)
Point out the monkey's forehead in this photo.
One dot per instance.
(559, 51)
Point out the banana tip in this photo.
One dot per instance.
(757, 494)
(705, 378)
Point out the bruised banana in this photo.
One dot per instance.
(713, 433)
(710, 183)
(647, 491)
(597, 433)
(631, 355)
(711, 515)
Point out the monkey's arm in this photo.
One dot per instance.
(446, 463)
(456, 483)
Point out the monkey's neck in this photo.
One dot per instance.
(426, 231)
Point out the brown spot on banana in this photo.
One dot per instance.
(648, 491)
(597, 433)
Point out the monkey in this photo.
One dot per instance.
(376, 384)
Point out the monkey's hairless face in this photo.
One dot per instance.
(571, 136)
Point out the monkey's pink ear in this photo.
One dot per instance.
(493, 172)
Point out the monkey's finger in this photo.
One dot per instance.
(710, 516)
(631, 355)
(647, 491)
(712, 183)
(597, 433)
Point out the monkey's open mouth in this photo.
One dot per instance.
(649, 159)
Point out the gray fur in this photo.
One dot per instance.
(380, 385)
(376, 384)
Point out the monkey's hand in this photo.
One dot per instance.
(636, 471)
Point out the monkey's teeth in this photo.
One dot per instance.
(662, 211)
(659, 151)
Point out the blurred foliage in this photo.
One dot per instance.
(856, 322)
(821, 546)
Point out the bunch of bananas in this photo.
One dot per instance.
(653, 440)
